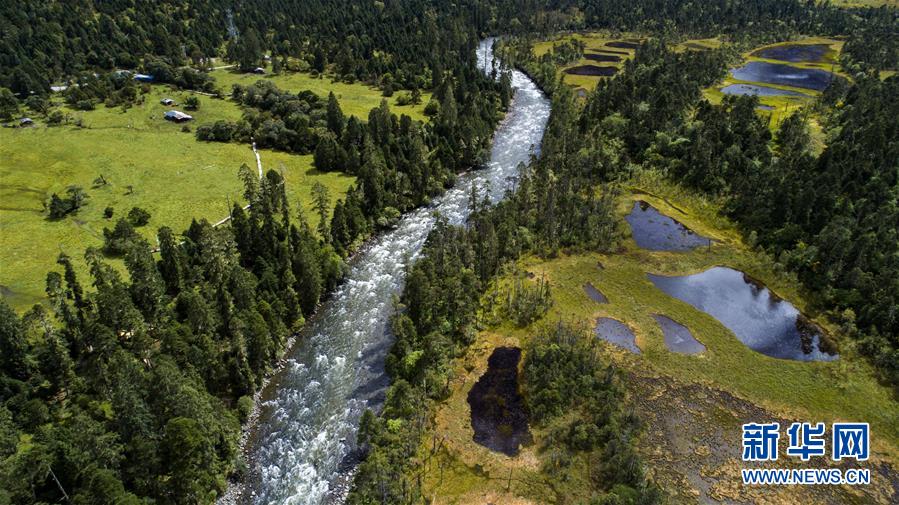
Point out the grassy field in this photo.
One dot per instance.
(170, 174)
(711, 391)
(355, 99)
(594, 43)
(784, 106)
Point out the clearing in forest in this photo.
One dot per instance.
(123, 159)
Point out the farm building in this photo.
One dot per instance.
(26, 121)
(143, 78)
(258, 70)
(167, 101)
(177, 116)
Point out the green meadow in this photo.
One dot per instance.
(146, 162)
(355, 99)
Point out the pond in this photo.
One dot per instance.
(595, 294)
(616, 332)
(499, 416)
(657, 232)
(794, 53)
(753, 89)
(677, 336)
(602, 57)
(760, 319)
(612, 51)
(784, 75)
(592, 70)
(623, 44)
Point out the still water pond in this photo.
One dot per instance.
(752, 89)
(657, 232)
(784, 75)
(794, 53)
(759, 319)
(614, 331)
(499, 417)
(595, 294)
(677, 336)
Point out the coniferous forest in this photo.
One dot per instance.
(130, 385)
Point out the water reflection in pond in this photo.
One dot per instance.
(595, 294)
(752, 89)
(678, 337)
(499, 417)
(657, 232)
(614, 331)
(784, 75)
(794, 53)
(759, 319)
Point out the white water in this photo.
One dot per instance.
(301, 448)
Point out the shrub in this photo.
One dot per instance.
(138, 216)
(108, 212)
(404, 98)
(432, 108)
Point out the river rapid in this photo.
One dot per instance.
(301, 446)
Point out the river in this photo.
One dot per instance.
(301, 448)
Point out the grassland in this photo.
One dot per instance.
(697, 402)
(147, 162)
(594, 42)
(355, 99)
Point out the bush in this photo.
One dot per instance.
(244, 408)
(61, 207)
(138, 217)
(432, 108)
(55, 118)
(192, 103)
(388, 90)
(404, 98)
(119, 239)
(84, 105)
(108, 212)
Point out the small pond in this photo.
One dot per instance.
(602, 57)
(759, 319)
(764, 107)
(752, 89)
(784, 75)
(657, 232)
(499, 416)
(677, 336)
(616, 332)
(595, 294)
(592, 70)
(794, 53)
(612, 51)
(623, 44)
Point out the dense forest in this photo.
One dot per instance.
(45, 42)
(130, 387)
